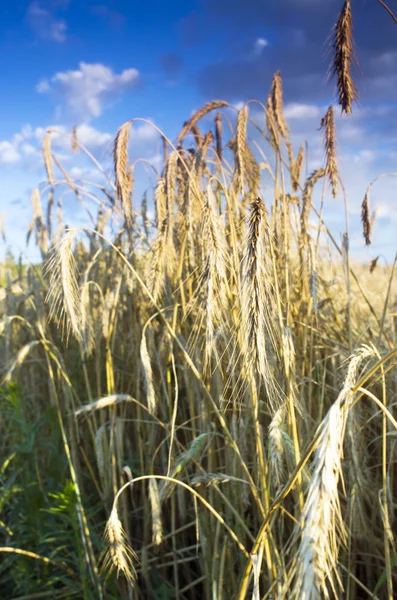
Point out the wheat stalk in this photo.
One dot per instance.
(199, 114)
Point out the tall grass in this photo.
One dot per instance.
(199, 403)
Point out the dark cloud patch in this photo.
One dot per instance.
(171, 63)
(300, 47)
(114, 17)
(18, 202)
(191, 30)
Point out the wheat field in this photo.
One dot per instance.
(198, 389)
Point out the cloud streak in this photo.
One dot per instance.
(45, 25)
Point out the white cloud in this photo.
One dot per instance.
(25, 147)
(45, 24)
(143, 132)
(91, 137)
(260, 44)
(90, 88)
(8, 153)
(302, 111)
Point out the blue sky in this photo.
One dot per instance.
(95, 64)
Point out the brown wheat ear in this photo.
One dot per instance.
(343, 57)
(328, 123)
(123, 176)
(276, 93)
(366, 221)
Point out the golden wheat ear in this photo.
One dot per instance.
(328, 124)
(343, 58)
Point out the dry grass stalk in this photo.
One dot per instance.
(209, 479)
(158, 269)
(157, 527)
(75, 143)
(271, 122)
(87, 323)
(307, 201)
(183, 460)
(41, 229)
(105, 402)
(276, 446)
(328, 123)
(22, 354)
(298, 164)
(170, 180)
(48, 158)
(321, 527)
(160, 201)
(64, 292)
(118, 555)
(213, 277)
(199, 115)
(373, 264)
(365, 218)
(343, 58)
(148, 374)
(241, 143)
(123, 175)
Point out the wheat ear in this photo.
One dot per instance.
(343, 57)
(328, 124)
(321, 526)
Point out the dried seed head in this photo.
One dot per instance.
(64, 292)
(47, 157)
(328, 123)
(218, 135)
(276, 95)
(321, 528)
(296, 176)
(123, 175)
(75, 143)
(373, 264)
(199, 114)
(118, 555)
(258, 301)
(365, 218)
(157, 527)
(343, 58)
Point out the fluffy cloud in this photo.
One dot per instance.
(8, 153)
(45, 25)
(302, 111)
(90, 88)
(259, 45)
